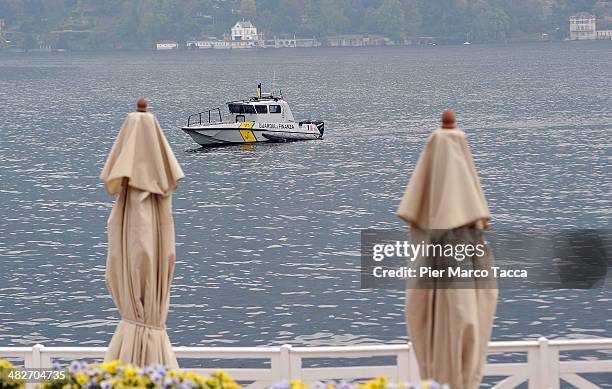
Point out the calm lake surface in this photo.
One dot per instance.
(268, 235)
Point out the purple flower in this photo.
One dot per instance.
(76, 366)
(155, 377)
(280, 385)
(105, 385)
(343, 384)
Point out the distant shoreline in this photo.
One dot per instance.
(183, 49)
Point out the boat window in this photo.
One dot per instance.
(234, 108)
(275, 109)
(241, 108)
(261, 108)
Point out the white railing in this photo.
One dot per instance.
(543, 367)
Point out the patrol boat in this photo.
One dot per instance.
(263, 118)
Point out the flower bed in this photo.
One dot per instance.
(109, 375)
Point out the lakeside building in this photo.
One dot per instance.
(219, 44)
(583, 27)
(604, 34)
(294, 42)
(358, 40)
(194, 44)
(244, 31)
(167, 45)
(243, 35)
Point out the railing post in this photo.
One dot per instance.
(413, 374)
(553, 363)
(35, 361)
(285, 362)
(543, 363)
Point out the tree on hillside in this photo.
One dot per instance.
(443, 18)
(139, 23)
(333, 19)
(390, 20)
(412, 17)
(489, 24)
(248, 9)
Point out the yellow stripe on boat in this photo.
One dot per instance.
(247, 125)
(248, 135)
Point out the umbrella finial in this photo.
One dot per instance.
(449, 120)
(141, 105)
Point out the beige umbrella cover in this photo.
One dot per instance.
(449, 328)
(143, 171)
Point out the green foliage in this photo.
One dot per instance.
(248, 9)
(489, 24)
(95, 24)
(387, 20)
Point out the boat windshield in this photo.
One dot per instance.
(241, 108)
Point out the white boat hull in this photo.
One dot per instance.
(251, 132)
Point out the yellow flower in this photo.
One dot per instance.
(297, 384)
(130, 372)
(376, 383)
(81, 378)
(212, 382)
(4, 364)
(110, 367)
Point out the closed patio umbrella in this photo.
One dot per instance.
(142, 171)
(449, 327)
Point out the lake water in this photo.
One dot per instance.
(268, 235)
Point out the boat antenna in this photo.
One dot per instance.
(273, 82)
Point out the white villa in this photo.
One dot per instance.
(244, 31)
(243, 35)
(583, 27)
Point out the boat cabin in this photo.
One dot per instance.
(266, 109)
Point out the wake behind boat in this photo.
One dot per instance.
(263, 118)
